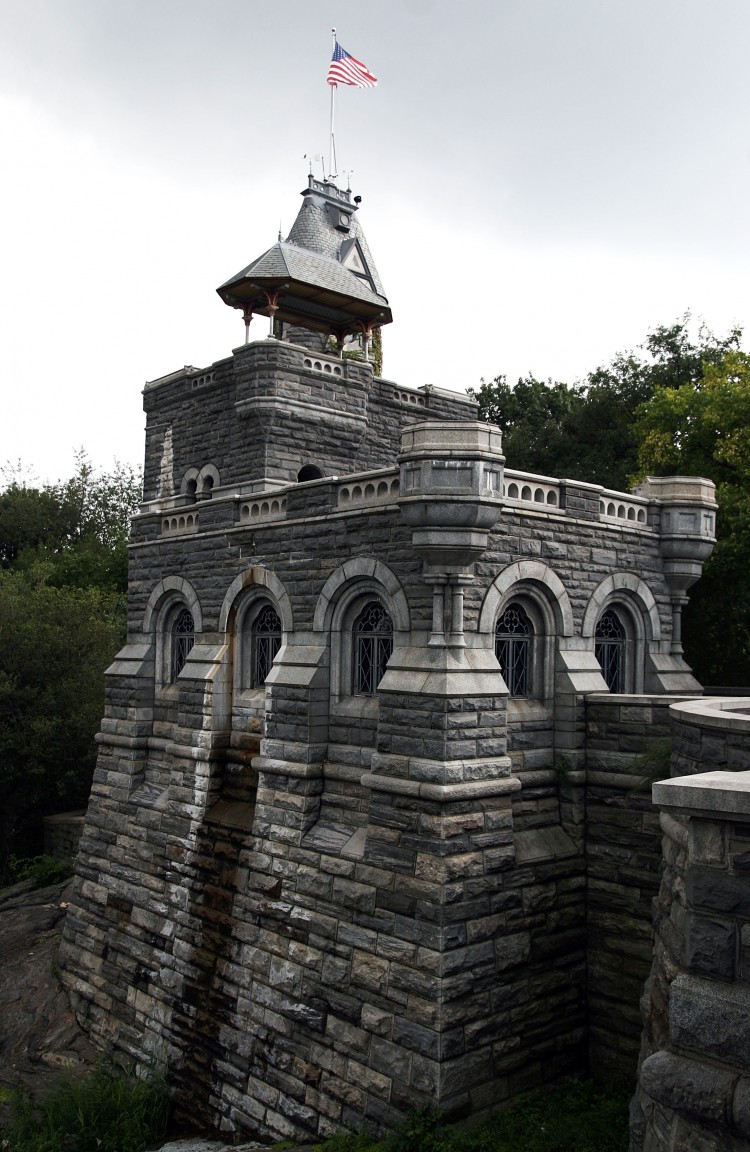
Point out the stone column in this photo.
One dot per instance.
(694, 1081)
(290, 773)
(441, 786)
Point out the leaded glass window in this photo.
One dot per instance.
(609, 649)
(265, 643)
(513, 640)
(183, 638)
(373, 644)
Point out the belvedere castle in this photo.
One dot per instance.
(368, 828)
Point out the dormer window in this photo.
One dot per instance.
(341, 218)
(353, 259)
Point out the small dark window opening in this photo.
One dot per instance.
(207, 487)
(265, 643)
(183, 638)
(513, 634)
(309, 472)
(373, 645)
(609, 649)
(191, 488)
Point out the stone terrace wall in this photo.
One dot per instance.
(627, 742)
(715, 737)
(62, 834)
(694, 1077)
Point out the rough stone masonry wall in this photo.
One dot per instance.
(294, 977)
(350, 940)
(262, 413)
(627, 743)
(694, 1076)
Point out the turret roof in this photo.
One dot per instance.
(322, 276)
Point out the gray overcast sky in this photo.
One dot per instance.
(543, 182)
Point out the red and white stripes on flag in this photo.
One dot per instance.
(344, 69)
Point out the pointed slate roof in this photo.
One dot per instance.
(322, 276)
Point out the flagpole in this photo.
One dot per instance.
(330, 138)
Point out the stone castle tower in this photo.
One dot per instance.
(352, 840)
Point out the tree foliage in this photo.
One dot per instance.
(587, 430)
(63, 577)
(679, 403)
(703, 429)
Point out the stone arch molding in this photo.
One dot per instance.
(207, 472)
(628, 587)
(258, 578)
(191, 474)
(352, 579)
(527, 572)
(172, 588)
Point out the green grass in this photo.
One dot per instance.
(577, 1116)
(105, 1111)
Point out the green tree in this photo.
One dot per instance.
(55, 644)
(533, 418)
(63, 577)
(677, 404)
(76, 530)
(702, 428)
(587, 431)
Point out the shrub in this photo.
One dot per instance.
(105, 1111)
(41, 870)
(577, 1116)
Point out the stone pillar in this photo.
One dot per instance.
(440, 819)
(440, 815)
(694, 1080)
(290, 773)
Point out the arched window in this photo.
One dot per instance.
(309, 472)
(609, 649)
(373, 645)
(513, 648)
(182, 635)
(265, 641)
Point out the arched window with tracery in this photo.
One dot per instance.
(513, 647)
(373, 645)
(265, 641)
(182, 634)
(609, 649)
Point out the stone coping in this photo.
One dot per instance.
(731, 713)
(443, 793)
(709, 794)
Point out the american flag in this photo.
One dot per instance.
(345, 69)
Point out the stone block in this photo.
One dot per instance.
(369, 971)
(709, 1018)
(376, 1020)
(689, 1086)
(707, 842)
(711, 946)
